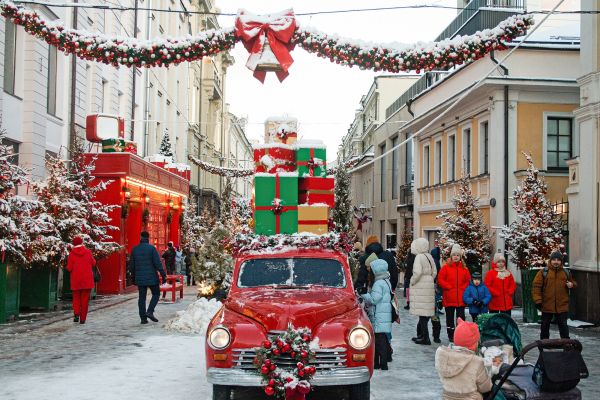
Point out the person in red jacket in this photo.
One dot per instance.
(502, 286)
(454, 277)
(80, 263)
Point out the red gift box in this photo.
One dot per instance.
(274, 157)
(317, 197)
(316, 183)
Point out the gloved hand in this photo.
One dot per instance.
(538, 306)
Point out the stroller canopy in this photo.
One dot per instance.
(500, 326)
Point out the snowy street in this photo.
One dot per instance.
(112, 356)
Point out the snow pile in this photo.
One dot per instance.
(195, 318)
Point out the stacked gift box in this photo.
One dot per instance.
(292, 192)
(119, 145)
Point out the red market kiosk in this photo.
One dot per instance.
(149, 198)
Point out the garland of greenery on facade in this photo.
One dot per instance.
(164, 52)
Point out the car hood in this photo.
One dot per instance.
(275, 309)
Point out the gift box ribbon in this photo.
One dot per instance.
(277, 208)
(284, 136)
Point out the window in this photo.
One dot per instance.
(437, 160)
(284, 273)
(51, 90)
(451, 157)
(484, 148)
(409, 161)
(10, 56)
(383, 172)
(559, 142)
(426, 166)
(395, 169)
(467, 151)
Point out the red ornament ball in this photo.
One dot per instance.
(269, 391)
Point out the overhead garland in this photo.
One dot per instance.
(269, 38)
(221, 171)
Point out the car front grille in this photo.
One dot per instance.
(325, 359)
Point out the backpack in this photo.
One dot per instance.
(394, 303)
(559, 371)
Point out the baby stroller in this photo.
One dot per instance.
(516, 381)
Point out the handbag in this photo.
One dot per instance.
(97, 274)
(559, 371)
(394, 303)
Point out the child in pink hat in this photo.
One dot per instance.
(461, 370)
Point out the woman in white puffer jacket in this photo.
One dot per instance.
(422, 288)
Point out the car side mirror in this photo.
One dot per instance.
(220, 294)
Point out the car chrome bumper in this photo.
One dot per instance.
(335, 377)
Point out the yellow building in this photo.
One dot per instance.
(526, 106)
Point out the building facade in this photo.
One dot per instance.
(584, 174)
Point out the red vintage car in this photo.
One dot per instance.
(301, 288)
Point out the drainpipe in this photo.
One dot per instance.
(506, 134)
(134, 72)
(147, 100)
(72, 132)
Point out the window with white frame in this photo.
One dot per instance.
(484, 157)
(52, 77)
(451, 157)
(437, 162)
(426, 166)
(466, 147)
(10, 56)
(559, 142)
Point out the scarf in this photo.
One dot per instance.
(502, 273)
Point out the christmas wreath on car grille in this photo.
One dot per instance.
(284, 383)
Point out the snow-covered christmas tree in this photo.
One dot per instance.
(214, 262)
(536, 229)
(192, 228)
(166, 149)
(465, 226)
(67, 196)
(403, 248)
(342, 211)
(13, 208)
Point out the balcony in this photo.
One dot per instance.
(424, 82)
(405, 198)
(481, 14)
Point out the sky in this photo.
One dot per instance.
(325, 96)
(322, 95)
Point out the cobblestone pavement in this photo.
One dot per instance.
(112, 356)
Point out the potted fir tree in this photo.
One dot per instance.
(534, 233)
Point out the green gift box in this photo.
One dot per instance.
(275, 203)
(311, 160)
(113, 145)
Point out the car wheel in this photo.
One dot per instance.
(221, 392)
(361, 391)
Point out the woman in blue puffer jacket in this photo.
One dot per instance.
(380, 311)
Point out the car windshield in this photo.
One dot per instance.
(292, 272)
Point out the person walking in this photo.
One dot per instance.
(422, 288)
(80, 263)
(187, 260)
(408, 272)
(550, 292)
(501, 284)
(374, 246)
(146, 264)
(454, 278)
(436, 323)
(170, 256)
(462, 372)
(436, 253)
(379, 305)
(477, 296)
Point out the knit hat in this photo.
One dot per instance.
(372, 239)
(476, 275)
(499, 257)
(370, 259)
(456, 250)
(556, 254)
(77, 240)
(358, 246)
(466, 334)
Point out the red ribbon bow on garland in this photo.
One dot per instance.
(278, 29)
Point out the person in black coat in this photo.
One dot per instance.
(145, 263)
(436, 253)
(170, 257)
(373, 246)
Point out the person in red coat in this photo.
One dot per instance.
(454, 277)
(502, 286)
(80, 263)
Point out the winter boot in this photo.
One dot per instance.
(76, 318)
(144, 320)
(436, 327)
(423, 341)
(450, 334)
(152, 317)
(407, 306)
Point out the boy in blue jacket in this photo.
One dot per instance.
(477, 296)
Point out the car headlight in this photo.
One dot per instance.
(359, 338)
(219, 338)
